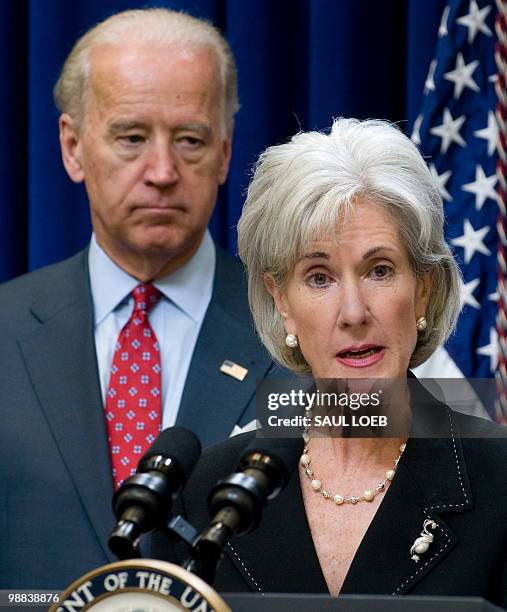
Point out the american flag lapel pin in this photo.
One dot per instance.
(233, 369)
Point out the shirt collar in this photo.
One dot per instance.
(189, 288)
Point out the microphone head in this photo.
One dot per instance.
(264, 469)
(178, 443)
(283, 452)
(143, 501)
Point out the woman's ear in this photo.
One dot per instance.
(423, 293)
(276, 293)
(280, 299)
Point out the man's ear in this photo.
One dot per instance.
(226, 158)
(70, 145)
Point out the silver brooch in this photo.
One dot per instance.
(423, 542)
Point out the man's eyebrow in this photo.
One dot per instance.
(201, 128)
(123, 125)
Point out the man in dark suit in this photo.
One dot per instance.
(147, 100)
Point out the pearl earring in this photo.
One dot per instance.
(291, 340)
(421, 324)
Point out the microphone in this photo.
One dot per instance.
(236, 503)
(143, 501)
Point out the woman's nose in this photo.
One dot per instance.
(353, 310)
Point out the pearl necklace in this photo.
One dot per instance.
(368, 495)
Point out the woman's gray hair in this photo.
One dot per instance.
(301, 189)
(157, 27)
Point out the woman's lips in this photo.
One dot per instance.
(361, 358)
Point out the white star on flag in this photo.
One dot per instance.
(466, 293)
(415, 137)
(448, 131)
(429, 84)
(491, 349)
(441, 180)
(475, 20)
(442, 29)
(483, 187)
(489, 133)
(494, 297)
(472, 240)
(461, 76)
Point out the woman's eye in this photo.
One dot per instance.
(381, 271)
(318, 279)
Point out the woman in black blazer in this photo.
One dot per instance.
(459, 482)
(350, 279)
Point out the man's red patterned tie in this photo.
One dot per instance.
(133, 400)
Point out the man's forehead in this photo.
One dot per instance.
(137, 75)
(146, 63)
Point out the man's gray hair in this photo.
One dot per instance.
(157, 27)
(301, 189)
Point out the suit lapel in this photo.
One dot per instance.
(279, 557)
(431, 482)
(383, 562)
(214, 402)
(61, 361)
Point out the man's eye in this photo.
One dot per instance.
(191, 141)
(132, 139)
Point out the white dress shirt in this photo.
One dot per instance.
(176, 319)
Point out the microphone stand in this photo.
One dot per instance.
(236, 504)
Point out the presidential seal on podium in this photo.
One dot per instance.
(140, 585)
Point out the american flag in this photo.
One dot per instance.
(457, 132)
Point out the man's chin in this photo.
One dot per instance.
(162, 242)
(165, 253)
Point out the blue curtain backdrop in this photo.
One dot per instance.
(300, 62)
